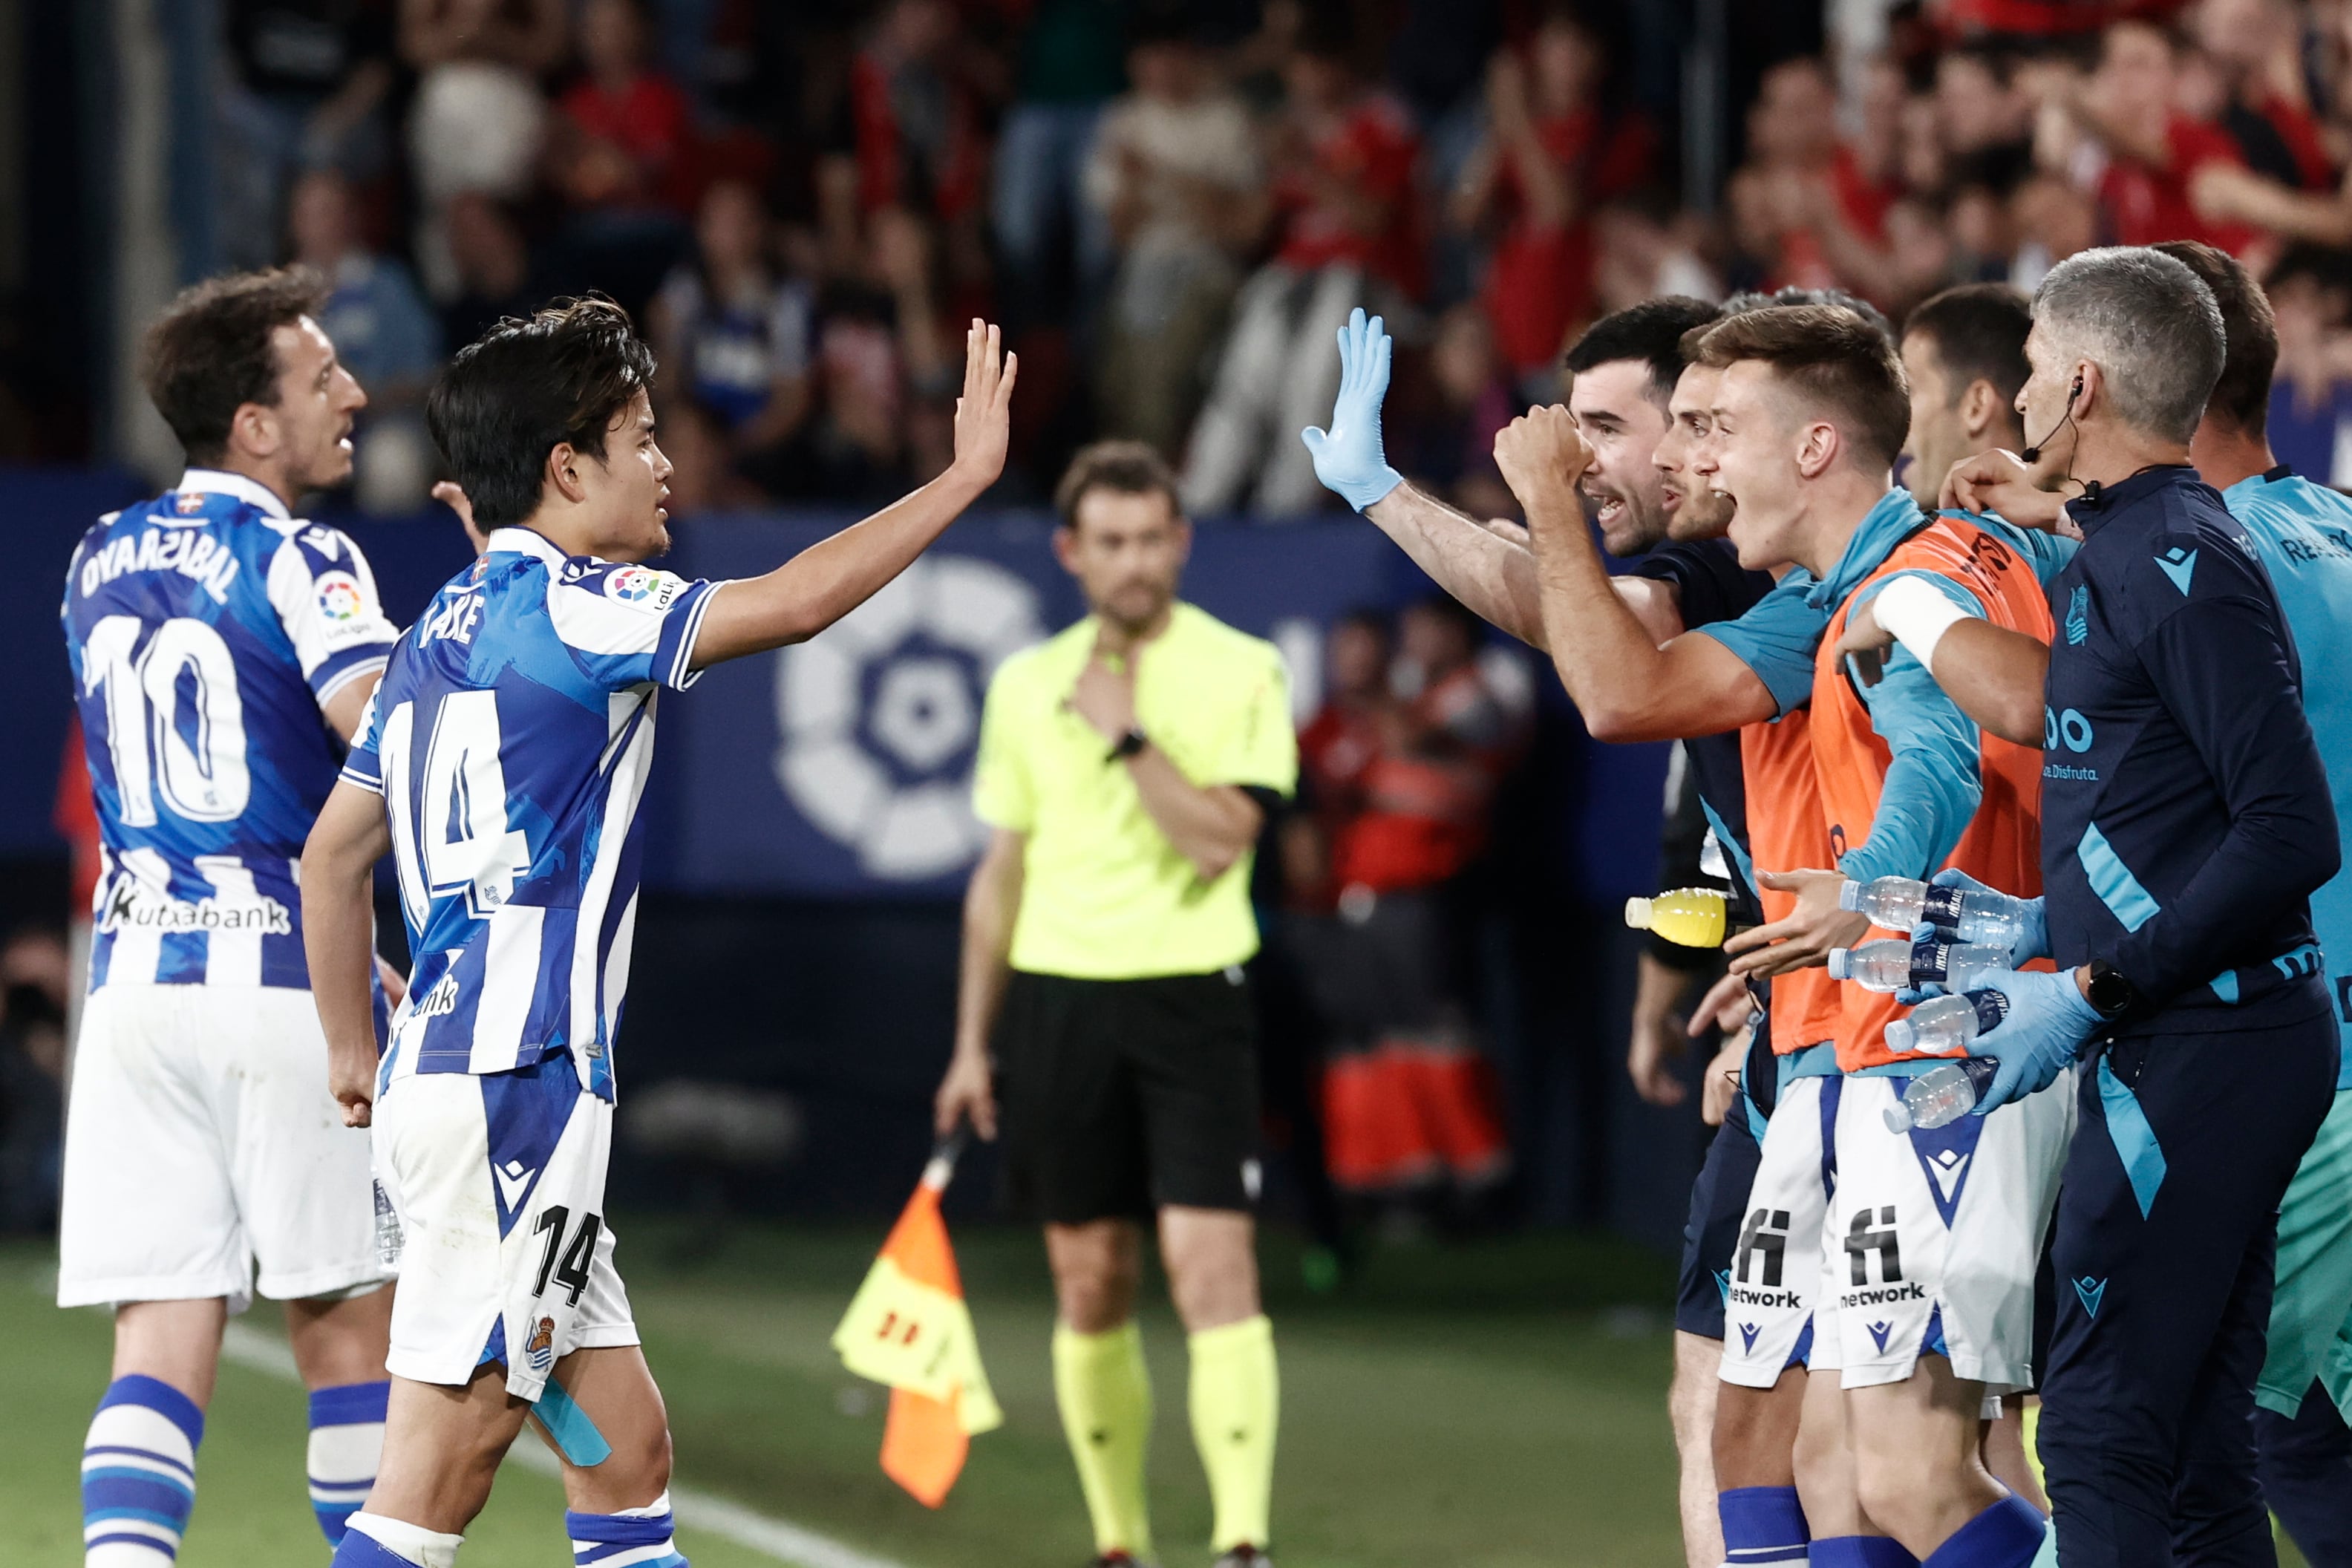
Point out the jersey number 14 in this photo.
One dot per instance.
(452, 837)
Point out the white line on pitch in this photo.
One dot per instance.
(780, 1539)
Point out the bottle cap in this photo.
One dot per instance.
(1901, 1036)
(1841, 962)
(1850, 896)
(1637, 913)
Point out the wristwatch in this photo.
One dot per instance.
(1129, 744)
(2109, 994)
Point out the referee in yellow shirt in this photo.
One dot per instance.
(1127, 765)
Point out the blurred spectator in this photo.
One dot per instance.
(1809, 211)
(1409, 1101)
(306, 88)
(1645, 247)
(1070, 67)
(2255, 49)
(381, 326)
(625, 126)
(733, 334)
(1552, 152)
(1335, 749)
(2053, 222)
(478, 117)
(1175, 179)
(1343, 180)
(1448, 447)
(2123, 127)
(492, 263)
(2311, 398)
(382, 331)
(913, 117)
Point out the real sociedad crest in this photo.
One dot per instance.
(880, 715)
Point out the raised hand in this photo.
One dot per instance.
(1543, 454)
(1348, 456)
(983, 415)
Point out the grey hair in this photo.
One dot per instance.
(2145, 320)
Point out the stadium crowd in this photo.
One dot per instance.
(1169, 204)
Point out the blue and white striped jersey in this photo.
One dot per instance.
(207, 629)
(510, 740)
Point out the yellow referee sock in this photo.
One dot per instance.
(1104, 1393)
(1235, 1402)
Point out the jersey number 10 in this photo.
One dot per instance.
(452, 836)
(173, 719)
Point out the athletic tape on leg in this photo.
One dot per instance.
(574, 1433)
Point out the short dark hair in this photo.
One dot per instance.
(1651, 331)
(2241, 397)
(1980, 331)
(1126, 468)
(209, 353)
(1832, 356)
(529, 384)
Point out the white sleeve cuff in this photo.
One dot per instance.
(1917, 615)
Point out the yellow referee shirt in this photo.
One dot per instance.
(1105, 896)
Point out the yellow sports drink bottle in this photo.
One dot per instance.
(1689, 917)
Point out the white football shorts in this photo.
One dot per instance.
(498, 1183)
(203, 1155)
(1934, 1237)
(1768, 1307)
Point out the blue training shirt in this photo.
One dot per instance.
(2303, 533)
(2186, 815)
(510, 740)
(206, 629)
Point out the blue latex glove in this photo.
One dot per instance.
(2034, 943)
(1347, 457)
(2048, 1022)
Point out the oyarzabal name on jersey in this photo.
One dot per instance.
(130, 907)
(190, 551)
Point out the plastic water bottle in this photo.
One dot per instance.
(1688, 917)
(389, 1237)
(1942, 1025)
(1942, 1095)
(1898, 903)
(1893, 964)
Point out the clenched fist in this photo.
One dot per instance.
(1543, 455)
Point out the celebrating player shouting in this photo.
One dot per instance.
(502, 768)
(221, 648)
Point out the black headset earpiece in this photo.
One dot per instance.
(2033, 453)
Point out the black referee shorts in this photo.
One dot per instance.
(1121, 1097)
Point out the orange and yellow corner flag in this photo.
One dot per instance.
(908, 1327)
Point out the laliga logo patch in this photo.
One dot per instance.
(879, 716)
(339, 595)
(632, 585)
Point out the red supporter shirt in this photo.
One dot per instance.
(1540, 283)
(1425, 809)
(2144, 205)
(649, 120)
(1372, 148)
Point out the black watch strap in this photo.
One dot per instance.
(1129, 744)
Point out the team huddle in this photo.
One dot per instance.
(2063, 685)
(2067, 682)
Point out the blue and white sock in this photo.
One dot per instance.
(633, 1538)
(346, 1441)
(1761, 1525)
(2006, 1535)
(139, 1474)
(1861, 1551)
(373, 1540)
